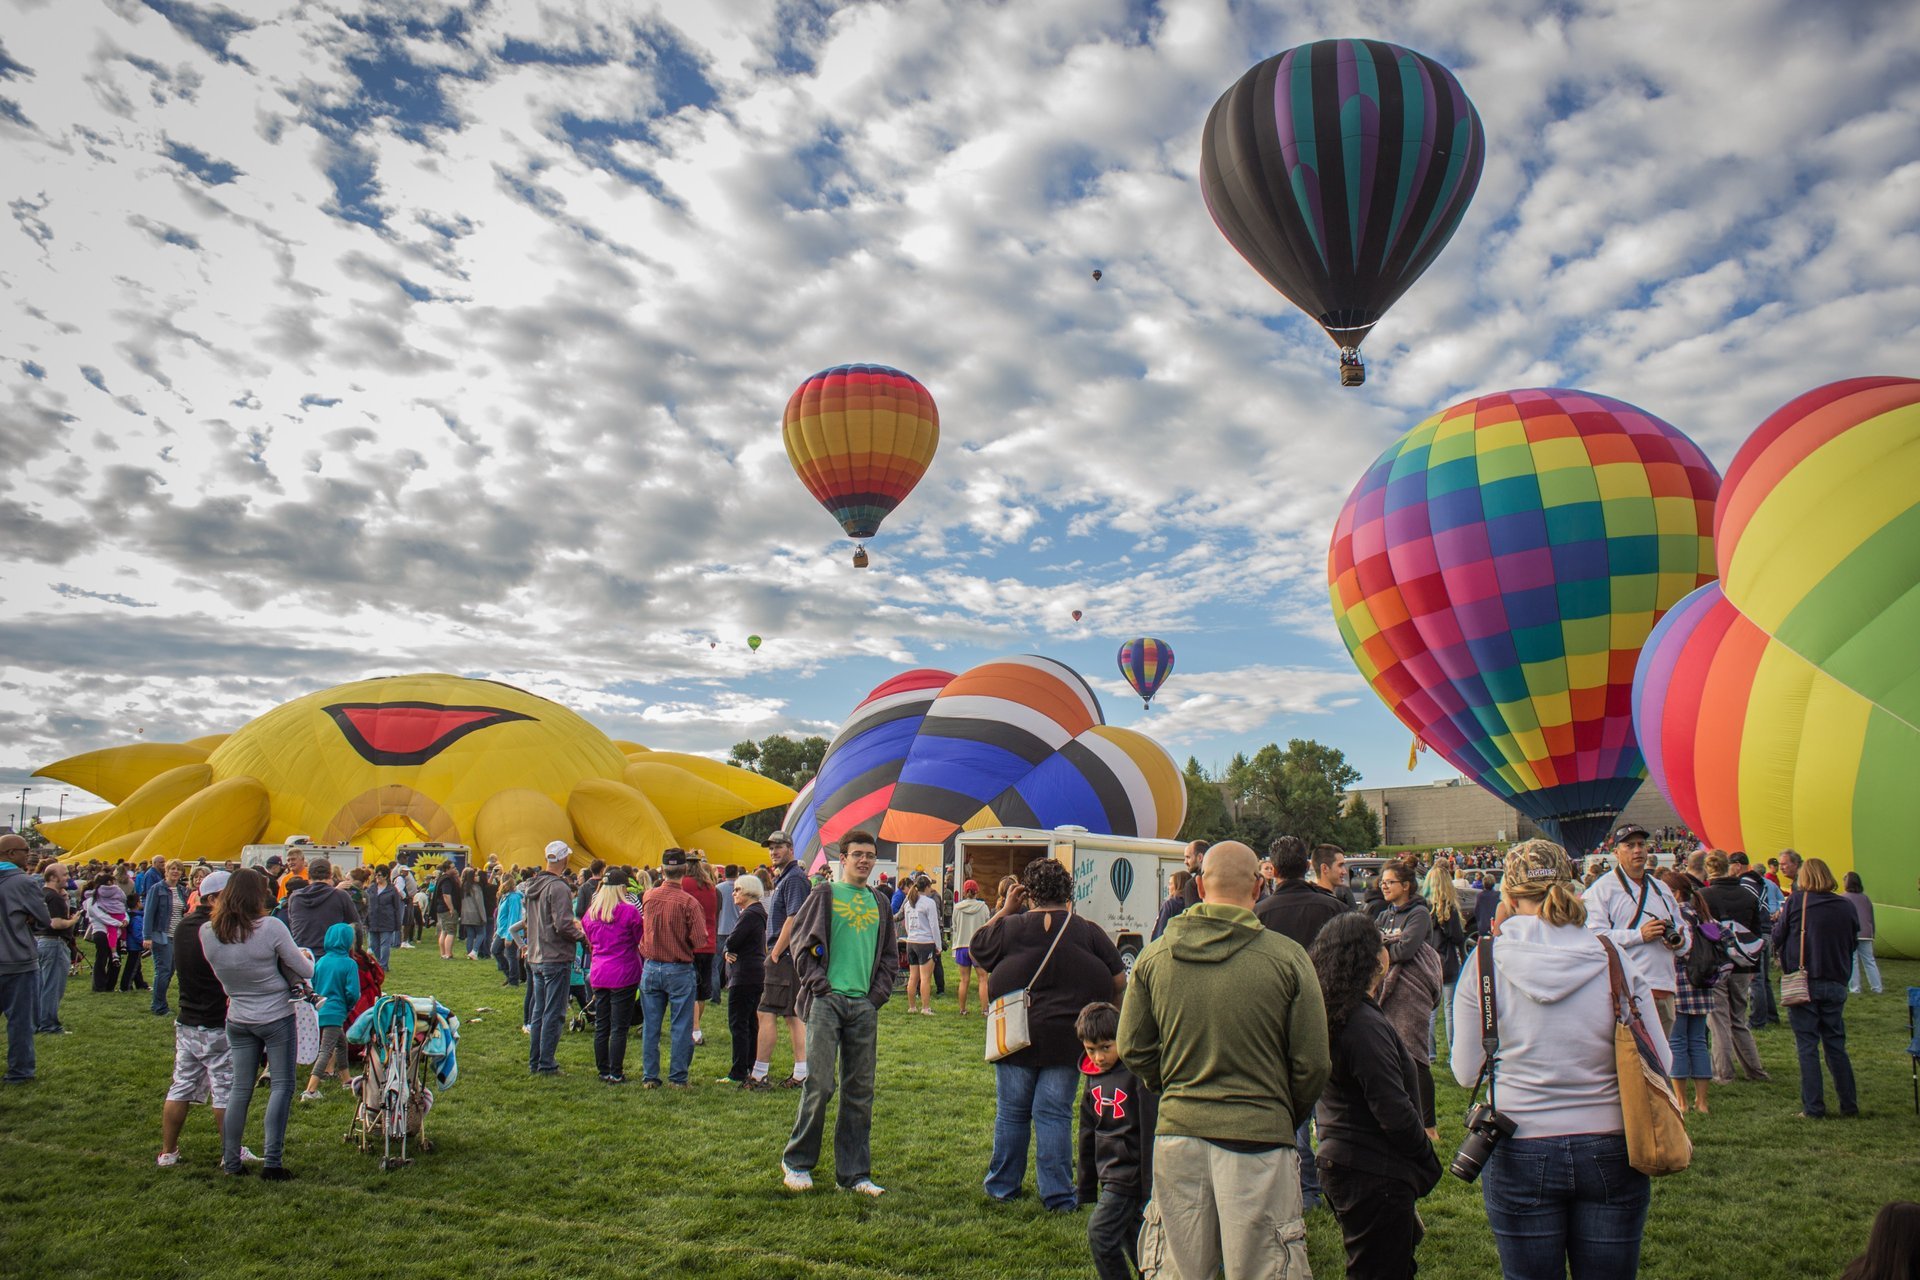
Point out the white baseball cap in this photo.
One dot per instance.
(558, 851)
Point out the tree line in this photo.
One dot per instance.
(1294, 792)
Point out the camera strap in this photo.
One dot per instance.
(1489, 1023)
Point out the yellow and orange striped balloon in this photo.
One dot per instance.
(860, 436)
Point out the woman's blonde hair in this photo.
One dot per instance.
(1539, 870)
(1442, 898)
(1815, 877)
(607, 897)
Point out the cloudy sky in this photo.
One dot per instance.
(339, 339)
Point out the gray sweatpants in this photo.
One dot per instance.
(1727, 1024)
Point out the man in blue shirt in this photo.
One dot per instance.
(789, 894)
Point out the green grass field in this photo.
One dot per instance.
(567, 1177)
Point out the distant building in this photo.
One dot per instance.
(1455, 811)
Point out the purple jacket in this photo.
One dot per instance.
(615, 945)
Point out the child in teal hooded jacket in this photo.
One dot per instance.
(336, 979)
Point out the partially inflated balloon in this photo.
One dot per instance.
(1494, 575)
(1339, 170)
(860, 436)
(1018, 741)
(1146, 663)
(1780, 706)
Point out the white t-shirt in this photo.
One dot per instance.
(923, 921)
(1612, 903)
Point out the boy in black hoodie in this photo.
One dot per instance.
(1117, 1115)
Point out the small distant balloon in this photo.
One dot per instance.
(1096, 276)
(753, 643)
(713, 644)
(1076, 615)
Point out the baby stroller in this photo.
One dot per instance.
(580, 991)
(410, 1043)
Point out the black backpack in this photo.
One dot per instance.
(1709, 958)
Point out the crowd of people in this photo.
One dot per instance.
(1271, 1050)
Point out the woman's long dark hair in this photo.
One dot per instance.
(1346, 955)
(1893, 1249)
(238, 908)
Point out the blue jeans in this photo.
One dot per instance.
(1571, 1200)
(1823, 1024)
(250, 1043)
(162, 973)
(383, 941)
(1309, 1172)
(547, 1001)
(1040, 1100)
(19, 1000)
(843, 1033)
(1764, 1010)
(55, 962)
(1688, 1043)
(665, 983)
(1864, 965)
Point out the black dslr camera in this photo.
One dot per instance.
(1485, 1128)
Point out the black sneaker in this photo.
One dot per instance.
(793, 1082)
(756, 1084)
(276, 1173)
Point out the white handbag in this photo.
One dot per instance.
(1007, 1030)
(306, 1032)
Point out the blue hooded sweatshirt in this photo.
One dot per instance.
(337, 977)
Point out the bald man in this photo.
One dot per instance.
(1223, 1020)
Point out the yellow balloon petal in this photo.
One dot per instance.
(722, 846)
(209, 742)
(617, 823)
(114, 773)
(120, 848)
(686, 801)
(213, 824)
(629, 748)
(516, 826)
(147, 806)
(757, 792)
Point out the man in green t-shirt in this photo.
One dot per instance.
(845, 961)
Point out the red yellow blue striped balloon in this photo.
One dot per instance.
(1494, 575)
(1780, 706)
(860, 436)
(1146, 663)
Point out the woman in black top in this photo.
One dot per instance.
(1414, 979)
(1816, 933)
(1375, 1159)
(1034, 1087)
(746, 953)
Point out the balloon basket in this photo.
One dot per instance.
(1352, 372)
(859, 557)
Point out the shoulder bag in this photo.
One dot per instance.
(1007, 1030)
(1656, 1130)
(1793, 986)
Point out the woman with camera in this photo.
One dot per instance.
(1375, 1160)
(1551, 1150)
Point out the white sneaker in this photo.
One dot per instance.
(796, 1179)
(868, 1187)
(167, 1159)
(699, 1037)
(247, 1157)
(406, 946)
(311, 1095)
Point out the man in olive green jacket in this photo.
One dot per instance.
(1223, 1020)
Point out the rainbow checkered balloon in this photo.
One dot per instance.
(1495, 574)
(1780, 706)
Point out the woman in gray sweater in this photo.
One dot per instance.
(252, 954)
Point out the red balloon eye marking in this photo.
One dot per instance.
(411, 732)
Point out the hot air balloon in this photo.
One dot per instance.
(1778, 706)
(1096, 277)
(1076, 615)
(753, 643)
(860, 436)
(1019, 741)
(1494, 575)
(1339, 170)
(1146, 663)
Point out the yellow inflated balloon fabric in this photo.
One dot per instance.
(114, 773)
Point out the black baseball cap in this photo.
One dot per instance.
(674, 860)
(1738, 859)
(1630, 831)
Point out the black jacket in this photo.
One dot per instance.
(1117, 1116)
(1833, 927)
(1369, 1113)
(203, 1001)
(1299, 910)
(747, 944)
(1729, 899)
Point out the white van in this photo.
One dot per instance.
(344, 856)
(1119, 882)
